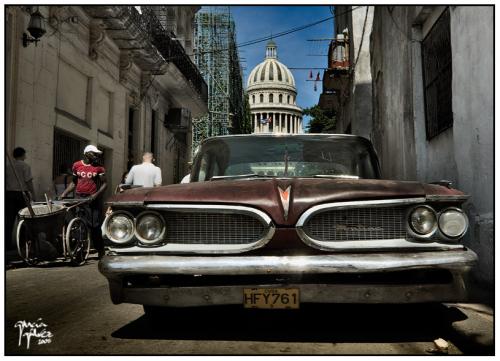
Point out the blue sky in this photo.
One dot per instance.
(257, 21)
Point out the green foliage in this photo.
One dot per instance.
(321, 121)
(247, 117)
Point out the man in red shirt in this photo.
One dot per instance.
(89, 178)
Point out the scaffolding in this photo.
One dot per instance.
(216, 56)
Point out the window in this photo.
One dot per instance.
(436, 61)
(288, 99)
(262, 98)
(253, 99)
(271, 98)
(67, 150)
(280, 98)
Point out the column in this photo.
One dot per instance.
(278, 123)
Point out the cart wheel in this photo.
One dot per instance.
(77, 241)
(26, 244)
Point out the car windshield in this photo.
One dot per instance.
(285, 156)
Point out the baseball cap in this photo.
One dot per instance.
(91, 148)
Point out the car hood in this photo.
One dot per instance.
(264, 193)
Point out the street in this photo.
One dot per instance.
(74, 304)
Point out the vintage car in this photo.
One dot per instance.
(275, 221)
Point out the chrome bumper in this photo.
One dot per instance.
(458, 262)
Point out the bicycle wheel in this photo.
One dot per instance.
(77, 241)
(26, 244)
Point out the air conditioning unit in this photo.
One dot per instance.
(178, 120)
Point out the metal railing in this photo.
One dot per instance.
(171, 50)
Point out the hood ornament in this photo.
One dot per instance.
(285, 199)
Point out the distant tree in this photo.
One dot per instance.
(247, 117)
(321, 121)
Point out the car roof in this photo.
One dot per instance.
(286, 135)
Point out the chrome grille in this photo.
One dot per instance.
(377, 223)
(213, 228)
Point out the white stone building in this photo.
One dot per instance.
(272, 96)
(433, 106)
(99, 76)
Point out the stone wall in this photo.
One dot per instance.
(61, 85)
(463, 153)
(356, 111)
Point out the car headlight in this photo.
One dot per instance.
(423, 220)
(150, 227)
(120, 227)
(453, 222)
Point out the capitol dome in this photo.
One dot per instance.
(271, 70)
(272, 95)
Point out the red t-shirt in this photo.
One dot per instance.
(87, 176)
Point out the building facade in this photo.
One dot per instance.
(354, 113)
(272, 96)
(426, 101)
(112, 76)
(218, 60)
(433, 117)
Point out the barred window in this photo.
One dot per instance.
(436, 60)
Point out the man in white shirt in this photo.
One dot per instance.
(145, 174)
(187, 177)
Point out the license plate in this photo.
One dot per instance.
(276, 298)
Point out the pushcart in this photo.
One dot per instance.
(53, 230)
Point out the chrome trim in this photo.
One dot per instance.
(356, 204)
(213, 208)
(337, 176)
(184, 248)
(454, 291)
(104, 227)
(144, 241)
(125, 204)
(118, 266)
(399, 243)
(414, 233)
(442, 234)
(447, 198)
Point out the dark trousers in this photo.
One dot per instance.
(14, 202)
(92, 213)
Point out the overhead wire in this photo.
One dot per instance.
(269, 37)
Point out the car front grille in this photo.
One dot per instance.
(213, 228)
(376, 223)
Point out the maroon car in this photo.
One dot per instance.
(273, 221)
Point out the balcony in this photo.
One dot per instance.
(338, 54)
(150, 44)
